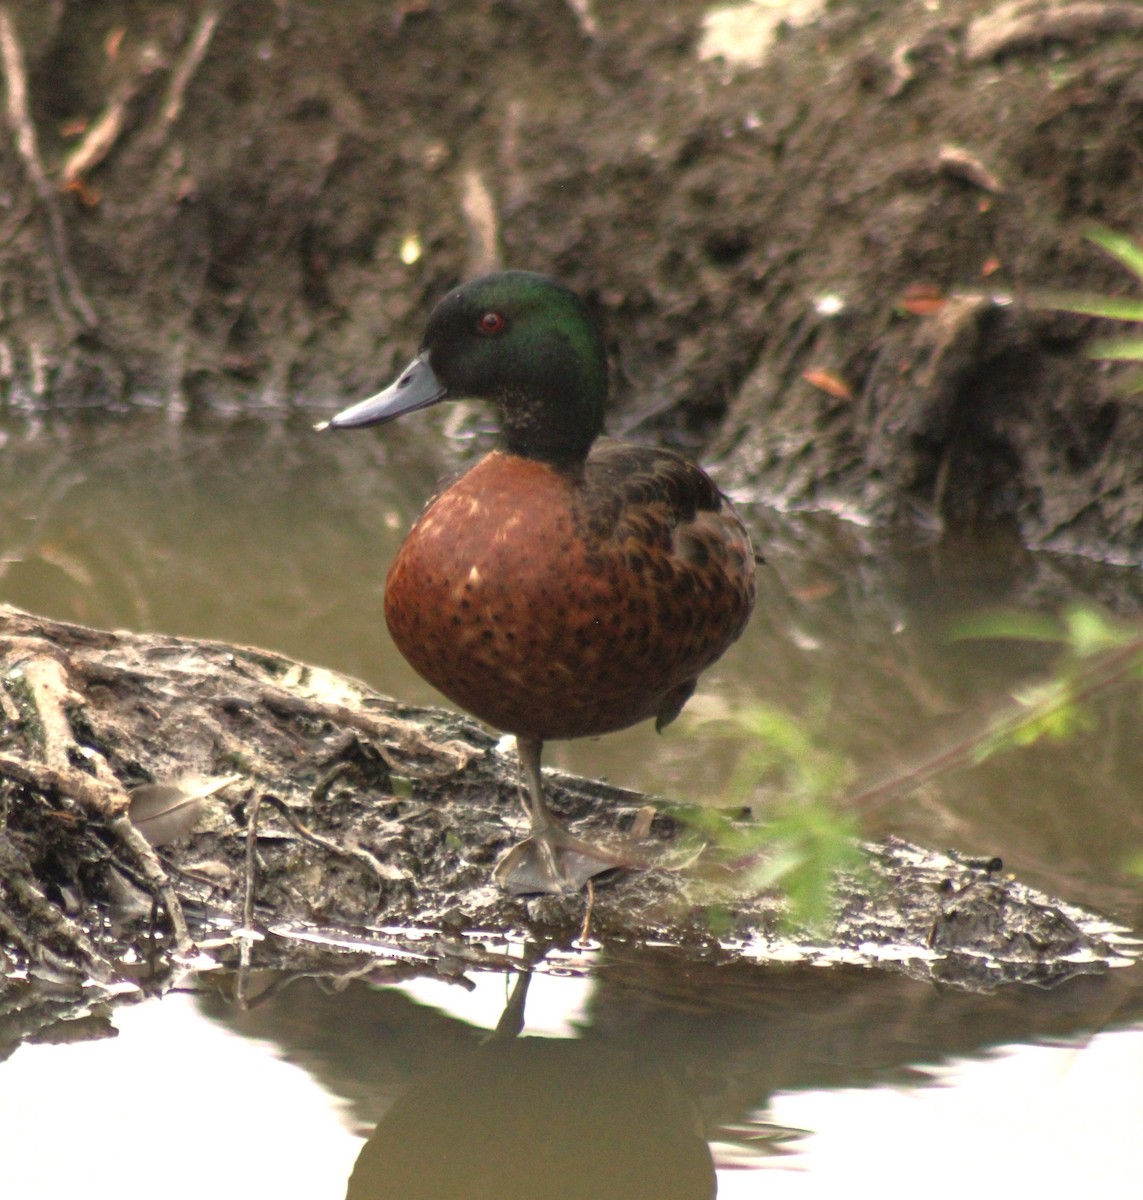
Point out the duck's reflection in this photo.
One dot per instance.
(535, 1117)
(666, 1051)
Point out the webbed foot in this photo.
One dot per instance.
(552, 862)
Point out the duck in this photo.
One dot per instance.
(567, 585)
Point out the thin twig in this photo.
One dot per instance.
(249, 879)
(19, 117)
(1102, 674)
(241, 984)
(585, 928)
(383, 872)
(185, 68)
(98, 141)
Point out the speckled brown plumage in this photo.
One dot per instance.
(566, 586)
(562, 602)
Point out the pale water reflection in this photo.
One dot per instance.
(181, 1103)
(1060, 1120)
(174, 1105)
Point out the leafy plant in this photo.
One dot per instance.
(804, 836)
(1097, 651)
(1126, 348)
(808, 810)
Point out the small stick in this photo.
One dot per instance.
(187, 65)
(585, 928)
(384, 873)
(157, 880)
(251, 871)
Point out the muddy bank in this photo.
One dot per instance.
(254, 204)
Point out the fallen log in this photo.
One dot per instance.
(303, 821)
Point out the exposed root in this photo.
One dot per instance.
(154, 708)
(20, 119)
(479, 210)
(384, 872)
(98, 141)
(154, 875)
(36, 926)
(386, 735)
(41, 669)
(103, 134)
(1011, 28)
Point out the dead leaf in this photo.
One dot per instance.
(828, 382)
(89, 197)
(922, 299)
(163, 812)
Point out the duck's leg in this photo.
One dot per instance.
(550, 859)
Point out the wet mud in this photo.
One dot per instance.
(813, 256)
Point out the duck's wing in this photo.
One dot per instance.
(670, 523)
(663, 500)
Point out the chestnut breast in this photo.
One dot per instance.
(561, 603)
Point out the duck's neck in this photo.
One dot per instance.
(533, 430)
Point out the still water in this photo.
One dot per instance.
(786, 1083)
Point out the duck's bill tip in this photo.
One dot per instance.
(415, 388)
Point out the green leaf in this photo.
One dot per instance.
(1119, 246)
(1125, 349)
(1009, 626)
(1052, 713)
(1091, 632)
(1050, 710)
(1091, 304)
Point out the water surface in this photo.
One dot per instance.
(271, 535)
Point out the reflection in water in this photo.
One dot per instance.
(522, 1117)
(258, 1112)
(668, 1055)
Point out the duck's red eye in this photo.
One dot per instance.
(491, 322)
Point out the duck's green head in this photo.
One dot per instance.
(520, 340)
